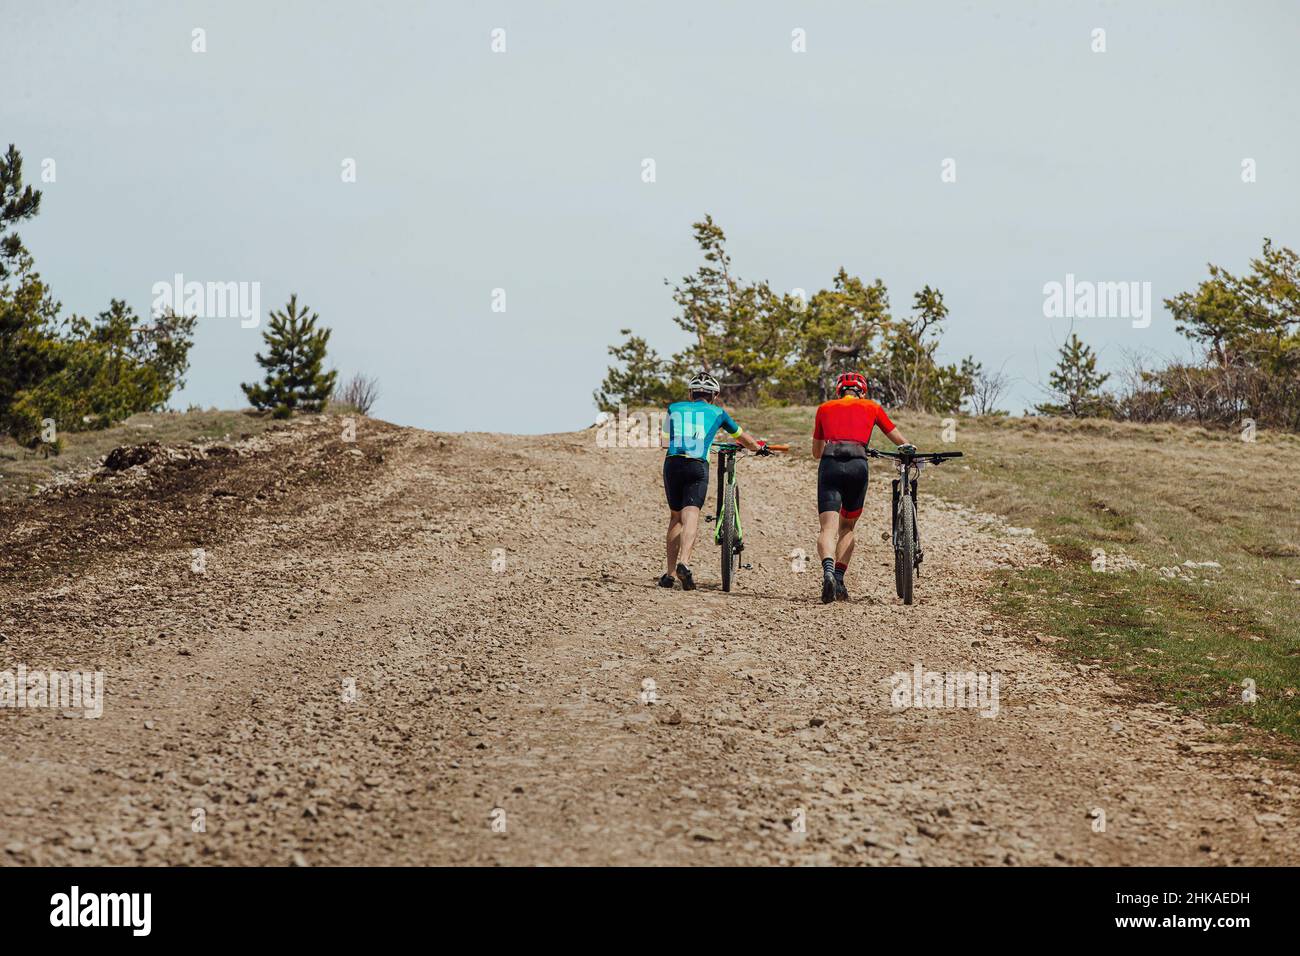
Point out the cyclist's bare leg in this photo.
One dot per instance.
(830, 522)
(674, 538)
(690, 518)
(844, 550)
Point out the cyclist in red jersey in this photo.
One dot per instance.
(841, 433)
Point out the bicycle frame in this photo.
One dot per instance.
(726, 474)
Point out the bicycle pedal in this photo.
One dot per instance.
(747, 567)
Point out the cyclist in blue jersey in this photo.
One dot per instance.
(689, 428)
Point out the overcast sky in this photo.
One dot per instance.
(522, 170)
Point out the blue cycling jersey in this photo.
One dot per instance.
(690, 427)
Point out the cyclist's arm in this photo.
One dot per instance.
(818, 447)
(736, 432)
(896, 437)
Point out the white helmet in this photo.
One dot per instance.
(705, 383)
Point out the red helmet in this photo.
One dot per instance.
(851, 380)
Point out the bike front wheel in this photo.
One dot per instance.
(905, 548)
(727, 539)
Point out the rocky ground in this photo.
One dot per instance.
(449, 649)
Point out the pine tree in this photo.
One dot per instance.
(1076, 384)
(30, 350)
(79, 373)
(295, 353)
(643, 379)
(17, 202)
(787, 347)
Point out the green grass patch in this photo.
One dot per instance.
(1148, 497)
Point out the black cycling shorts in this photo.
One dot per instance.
(686, 482)
(841, 485)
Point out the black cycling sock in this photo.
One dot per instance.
(839, 572)
(828, 580)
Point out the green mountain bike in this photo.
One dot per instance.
(727, 532)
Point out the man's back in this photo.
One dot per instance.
(850, 419)
(690, 427)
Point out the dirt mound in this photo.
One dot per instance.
(121, 458)
(154, 496)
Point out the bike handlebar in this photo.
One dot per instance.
(735, 446)
(933, 457)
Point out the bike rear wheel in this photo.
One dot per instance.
(905, 548)
(727, 539)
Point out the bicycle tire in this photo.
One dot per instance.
(727, 539)
(905, 548)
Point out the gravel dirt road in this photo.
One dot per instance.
(357, 675)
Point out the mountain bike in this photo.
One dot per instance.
(727, 531)
(905, 533)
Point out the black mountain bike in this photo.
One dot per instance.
(902, 509)
(727, 532)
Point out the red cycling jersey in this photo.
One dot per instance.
(850, 419)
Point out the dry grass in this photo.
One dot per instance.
(21, 470)
(1161, 495)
